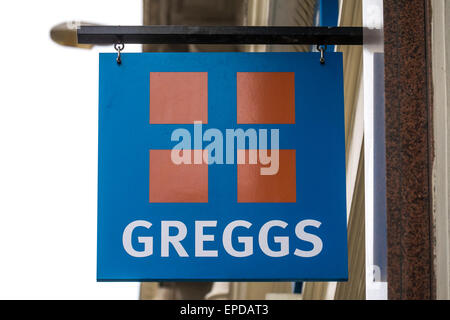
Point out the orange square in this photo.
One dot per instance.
(280, 187)
(178, 97)
(170, 182)
(266, 97)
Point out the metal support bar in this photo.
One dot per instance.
(220, 35)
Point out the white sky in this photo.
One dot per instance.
(48, 151)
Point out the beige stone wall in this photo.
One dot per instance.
(350, 15)
(441, 124)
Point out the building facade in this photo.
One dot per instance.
(396, 89)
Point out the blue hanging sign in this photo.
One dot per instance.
(221, 166)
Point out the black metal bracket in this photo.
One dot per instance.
(220, 35)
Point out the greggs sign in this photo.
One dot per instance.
(221, 166)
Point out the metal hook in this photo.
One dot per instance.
(119, 47)
(322, 49)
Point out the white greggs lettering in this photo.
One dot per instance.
(175, 239)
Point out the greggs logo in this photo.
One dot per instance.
(265, 172)
(250, 143)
